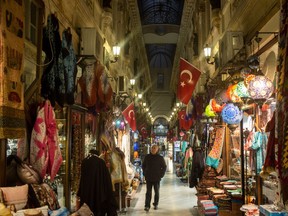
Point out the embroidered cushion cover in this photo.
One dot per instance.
(17, 196)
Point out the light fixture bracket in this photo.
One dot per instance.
(207, 53)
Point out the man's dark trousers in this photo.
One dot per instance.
(156, 186)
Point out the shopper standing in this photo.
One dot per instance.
(154, 168)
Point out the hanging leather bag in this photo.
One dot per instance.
(27, 174)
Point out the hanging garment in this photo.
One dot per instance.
(188, 158)
(104, 90)
(270, 160)
(259, 140)
(95, 188)
(67, 70)
(52, 47)
(216, 151)
(198, 167)
(45, 153)
(88, 85)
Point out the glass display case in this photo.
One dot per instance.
(241, 160)
(77, 135)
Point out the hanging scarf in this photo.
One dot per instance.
(216, 151)
(260, 140)
(45, 153)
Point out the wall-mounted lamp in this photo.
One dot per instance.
(132, 83)
(224, 76)
(207, 54)
(116, 53)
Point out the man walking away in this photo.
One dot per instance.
(154, 168)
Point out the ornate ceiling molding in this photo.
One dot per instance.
(137, 32)
(189, 7)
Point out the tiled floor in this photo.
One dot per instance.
(176, 198)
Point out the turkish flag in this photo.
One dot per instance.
(143, 131)
(129, 115)
(188, 78)
(185, 122)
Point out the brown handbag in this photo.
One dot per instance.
(27, 174)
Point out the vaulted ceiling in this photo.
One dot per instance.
(163, 25)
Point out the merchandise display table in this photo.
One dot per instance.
(269, 210)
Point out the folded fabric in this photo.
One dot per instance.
(63, 211)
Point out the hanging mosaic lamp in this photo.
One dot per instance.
(209, 112)
(242, 92)
(247, 79)
(216, 107)
(241, 89)
(260, 89)
(231, 114)
(232, 94)
(136, 146)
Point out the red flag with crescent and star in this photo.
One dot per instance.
(188, 78)
(129, 115)
(185, 122)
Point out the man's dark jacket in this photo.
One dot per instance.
(154, 167)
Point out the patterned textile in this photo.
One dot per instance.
(105, 90)
(282, 95)
(45, 153)
(260, 140)
(52, 47)
(270, 160)
(12, 117)
(197, 168)
(41, 195)
(77, 150)
(67, 70)
(88, 85)
(216, 151)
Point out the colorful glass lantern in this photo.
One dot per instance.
(232, 94)
(231, 114)
(247, 79)
(241, 89)
(209, 112)
(216, 107)
(260, 89)
(136, 146)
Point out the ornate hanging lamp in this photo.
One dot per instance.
(232, 94)
(260, 88)
(215, 106)
(231, 115)
(242, 91)
(209, 111)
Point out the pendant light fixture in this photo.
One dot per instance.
(260, 88)
(231, 115)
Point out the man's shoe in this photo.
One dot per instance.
(146, 209)
(155, 207)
